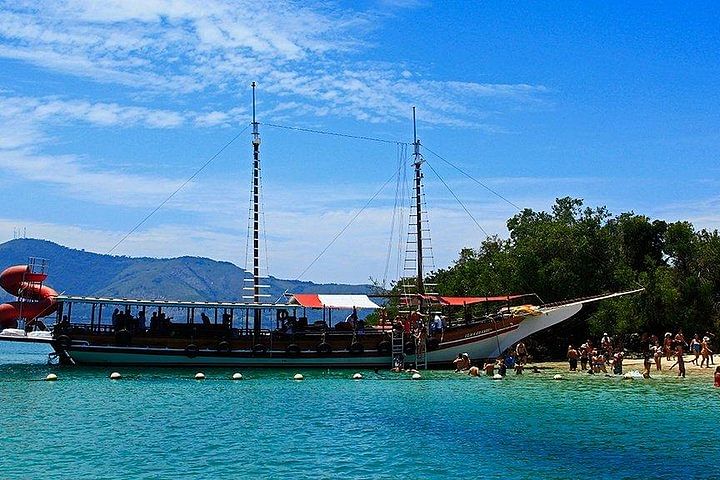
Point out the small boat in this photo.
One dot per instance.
(430, 330)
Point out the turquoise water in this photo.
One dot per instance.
(161, 423)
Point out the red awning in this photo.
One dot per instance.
(315, 300)
(309, 300)
(460, 301)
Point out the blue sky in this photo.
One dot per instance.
(106, 108)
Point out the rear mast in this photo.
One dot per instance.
(420, 288)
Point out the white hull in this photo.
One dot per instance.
(483, 348)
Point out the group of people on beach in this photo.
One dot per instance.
(596, 359)
(609, 354)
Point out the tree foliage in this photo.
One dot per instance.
(575, 251)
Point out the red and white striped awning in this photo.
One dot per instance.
(318, 300)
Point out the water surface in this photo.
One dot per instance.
(161, 423)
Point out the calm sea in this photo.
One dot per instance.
(161, 423)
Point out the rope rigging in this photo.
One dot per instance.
(197, 172)
(352, 220)
(334, 134)
(474, 179)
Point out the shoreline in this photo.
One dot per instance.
(630, 364)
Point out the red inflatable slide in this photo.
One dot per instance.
(22, 282)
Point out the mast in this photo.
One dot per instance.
(418, 208)
(256, 217)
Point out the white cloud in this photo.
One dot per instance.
(302, 54)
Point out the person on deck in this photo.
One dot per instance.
(154, 322)
(140, 324)
(115, 316)
(205, 319)
(352, 319)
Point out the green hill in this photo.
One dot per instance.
(77, 272)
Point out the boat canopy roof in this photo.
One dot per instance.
(319, 300)
(460, 301)
(165, 303)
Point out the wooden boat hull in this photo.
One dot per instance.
(479, 341)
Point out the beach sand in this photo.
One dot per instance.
(630, 364)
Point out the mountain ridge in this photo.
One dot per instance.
(77, 272)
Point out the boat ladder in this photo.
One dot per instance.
(398, 345)
(421, 353)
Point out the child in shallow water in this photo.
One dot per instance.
(717, 377)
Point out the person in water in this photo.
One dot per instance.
(717, 377)
(462, 362)
(489, 368)
(572, 356)
(521, 353)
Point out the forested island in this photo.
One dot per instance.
(576, 251)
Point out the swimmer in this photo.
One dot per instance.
(489, 369)
(474, 372)
(717, 377)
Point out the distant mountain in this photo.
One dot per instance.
(76, 272)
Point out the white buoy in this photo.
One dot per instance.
(416, 376)
(357, 376)
(557, 377)
(497, 376)
(237, 376)
(115, 376)
(51, 377)
(199, 376)
(298, 376)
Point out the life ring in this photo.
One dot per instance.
(384, 347)
(191, 350)
(409, 348)
(259, 348)
(223, 347)
(282, 314)
(357, 347)
(64, 342)
(433, 344)
(323, 347)
(293, 349)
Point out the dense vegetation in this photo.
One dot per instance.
(575, 251)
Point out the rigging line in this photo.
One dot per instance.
(336, 134)
(346, 226)
(457, 199)
(197, 172)
(400, 161)
(473, 179)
